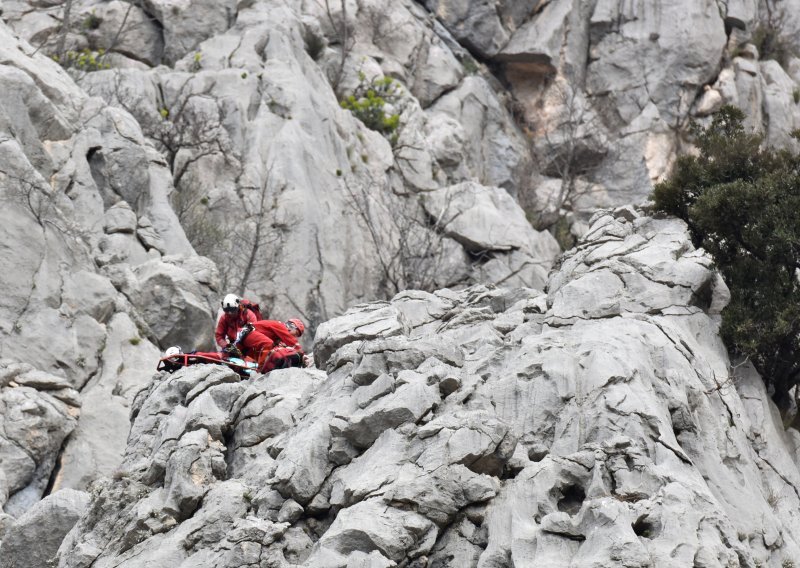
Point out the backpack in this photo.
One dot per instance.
(253, 307)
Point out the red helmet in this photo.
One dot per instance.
(298, 324)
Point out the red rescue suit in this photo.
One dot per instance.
(230, 324)
(270, 342)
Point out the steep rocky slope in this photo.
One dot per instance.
(96, 271)
(297, 201)
(97, 267)
(598, 424)
(567, 105)
(216, 127)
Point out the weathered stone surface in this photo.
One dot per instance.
(37, 413)
(476, 137)
(599, 401)
(34, 538)
(577, 428)
(174, 305)
(486, 220)
(185, 26)
(124, 28)
(477, 24)
(96, 446)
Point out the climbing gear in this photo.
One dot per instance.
(246, 329)
(245, 368)
(252, 306)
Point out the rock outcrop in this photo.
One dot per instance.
(264, 160)
(486, 427)
(577, 425)
(37, 413)
(34, 539)
(90, 249)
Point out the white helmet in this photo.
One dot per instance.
(174, 350)
(230, 302)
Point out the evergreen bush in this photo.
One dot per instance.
(741, 202)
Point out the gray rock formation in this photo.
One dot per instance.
(37, 413)
(485, 427)
(33, 540)
(265, 161)
(216, 128)
(87, 228)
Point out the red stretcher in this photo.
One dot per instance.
(244, 367)
(279, 358)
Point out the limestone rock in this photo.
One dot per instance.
(182, 29)
(481, 130)
(96, 446)
(173, 305)
(37, 413)
(34, 538)
(591, 413)
(476, 23)
(138, 36)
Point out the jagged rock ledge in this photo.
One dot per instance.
(598, 424)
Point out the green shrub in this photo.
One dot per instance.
(84, 60)
(368, 103)
(91, 22)
(740, 200)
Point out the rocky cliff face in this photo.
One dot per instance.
(206, 151)
(598, 424)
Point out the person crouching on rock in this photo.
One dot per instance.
(273, 344)
(234, 318)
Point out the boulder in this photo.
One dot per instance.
(182, 30)
(34, 538)
(495, 151)
(173, 305)
(124, 28)
(475, 23)
(487, 221)
(39, 411)
(95, 448)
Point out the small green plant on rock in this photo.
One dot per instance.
(83, 60)
(470, 65)
(197, 61)
(368, 104)
(91, 22)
